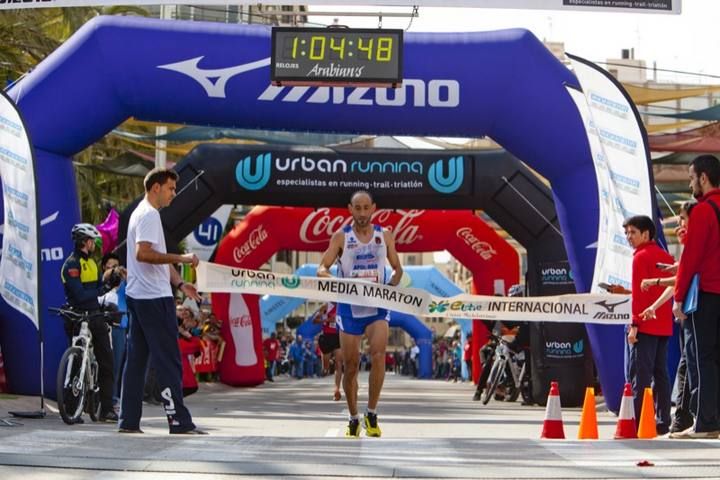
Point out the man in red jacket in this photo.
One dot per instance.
(648, 339)
(702, 328)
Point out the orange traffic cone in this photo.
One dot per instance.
(647, 428)
(626, 420)
(588, 420)
(553, 424)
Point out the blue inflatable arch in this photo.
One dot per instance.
(502, 84)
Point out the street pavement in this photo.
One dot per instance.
(292, 429)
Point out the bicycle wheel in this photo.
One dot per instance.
(70, 386)
(493, 380)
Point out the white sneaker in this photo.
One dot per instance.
(690, 433)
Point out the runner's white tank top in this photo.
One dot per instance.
(363, 261)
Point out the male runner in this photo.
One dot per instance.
(361, 250)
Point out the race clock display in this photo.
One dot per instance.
(335, 56)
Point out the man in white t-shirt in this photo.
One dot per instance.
(153, 324)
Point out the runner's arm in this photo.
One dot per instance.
(393, 258)
(331, 254)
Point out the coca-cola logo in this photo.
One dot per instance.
(242, 321)
(484, 249)
(319, 225)
(254, 240)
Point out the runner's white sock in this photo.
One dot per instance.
(373, 411)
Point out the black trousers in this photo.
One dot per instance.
(648, 368)
(104, 355)
(702, 346)
(682, 411)
(153, 330)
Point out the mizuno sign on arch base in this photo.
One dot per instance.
(585, 308)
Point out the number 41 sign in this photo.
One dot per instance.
(206, 236)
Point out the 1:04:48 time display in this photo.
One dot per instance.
(319, 47)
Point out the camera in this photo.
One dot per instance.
(114, 279)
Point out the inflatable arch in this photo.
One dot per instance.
(273, 309)
(267, 230)
(493, 181)
(217, 74)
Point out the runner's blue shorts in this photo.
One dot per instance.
(357, 326)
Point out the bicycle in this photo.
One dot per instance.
(77, 377)
(509, 367)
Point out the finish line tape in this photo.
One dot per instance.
(575, 308)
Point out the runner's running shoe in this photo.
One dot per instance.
(371, 425)
(353, 428)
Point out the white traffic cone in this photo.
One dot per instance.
(553, 424)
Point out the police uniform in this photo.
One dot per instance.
(83, 285)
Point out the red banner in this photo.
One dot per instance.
(267, 230)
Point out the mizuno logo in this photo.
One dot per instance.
(413, 92)
(610, 307)
(441, 93)
(213, 80)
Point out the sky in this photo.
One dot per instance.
(687, 42)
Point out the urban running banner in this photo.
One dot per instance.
(619, 149)
(582, 308)
(20, 262)
(636, 6)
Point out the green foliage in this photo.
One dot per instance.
(27, 37)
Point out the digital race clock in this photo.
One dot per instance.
(336, 56)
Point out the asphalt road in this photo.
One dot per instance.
(293, 429)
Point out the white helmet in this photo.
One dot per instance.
(81, 231)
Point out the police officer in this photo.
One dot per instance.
(83, 285)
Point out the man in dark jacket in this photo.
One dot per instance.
(83, 285)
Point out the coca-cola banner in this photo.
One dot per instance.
(577, 308)
(286, 171)
(266, 230)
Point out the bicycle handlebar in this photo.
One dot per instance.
(75, 316)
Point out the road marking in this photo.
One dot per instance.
(332, 432)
